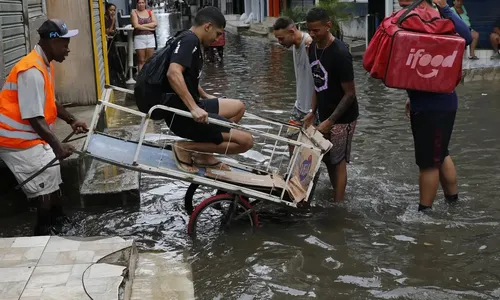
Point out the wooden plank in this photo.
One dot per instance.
(246, 179)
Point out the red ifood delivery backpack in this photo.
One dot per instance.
(416, 49)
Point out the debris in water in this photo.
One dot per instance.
(482, 247)
(405, 238)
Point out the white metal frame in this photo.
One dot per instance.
(145, 119)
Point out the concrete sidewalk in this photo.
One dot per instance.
(100, 268)
(65, 268)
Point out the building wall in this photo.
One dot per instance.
(14, 34)
(37, 13)
(356, 27)
(75, 77)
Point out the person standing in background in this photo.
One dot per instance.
(110, 19)
(288, 35)
(432, 117)
(459, 9)
(334, 98)
(145, 23)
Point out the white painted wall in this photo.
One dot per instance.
(356, 27)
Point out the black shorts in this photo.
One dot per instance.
(431, 135)
(188, 128)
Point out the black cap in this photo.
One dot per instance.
(55, 28)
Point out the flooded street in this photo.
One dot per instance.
(375, 246)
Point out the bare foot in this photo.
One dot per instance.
(183, 159)
(204, 160)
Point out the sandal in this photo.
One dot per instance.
(473, 57)
(181, 165)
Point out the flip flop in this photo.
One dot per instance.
(212, 166)
(181, 164)
(473, 57)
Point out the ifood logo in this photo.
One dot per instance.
(424, 59)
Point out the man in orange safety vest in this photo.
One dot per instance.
(28, 111)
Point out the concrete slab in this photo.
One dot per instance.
(158, 276)
(101, 178)
(484, 68)
(66, 268)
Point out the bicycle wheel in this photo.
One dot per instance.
(220, 211)
(188, 198)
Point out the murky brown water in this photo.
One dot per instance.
(375, 246)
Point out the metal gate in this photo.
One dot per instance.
(99, 43)
(13, 34)
(35, 8)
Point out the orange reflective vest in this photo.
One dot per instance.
(14, 131)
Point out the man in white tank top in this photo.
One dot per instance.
(288, 35)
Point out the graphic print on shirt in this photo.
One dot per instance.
(178, 47)
(320, 76)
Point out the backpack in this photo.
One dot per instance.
(152, 79)
(416, 49)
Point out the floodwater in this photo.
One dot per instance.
(375, 246)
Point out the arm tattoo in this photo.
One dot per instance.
(344, 104)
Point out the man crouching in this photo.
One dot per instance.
(182, 91)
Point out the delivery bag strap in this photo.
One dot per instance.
(408, 10)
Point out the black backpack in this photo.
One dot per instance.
(152, 79)
(154, 70)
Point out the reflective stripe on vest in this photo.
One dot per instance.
(10, 86)
(19, 135)
(25, 132)
(14, 124)
(16, 132)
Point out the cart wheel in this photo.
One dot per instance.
(188, 198)
(221, 211)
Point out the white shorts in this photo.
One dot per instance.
(146, 41)
(25, 163)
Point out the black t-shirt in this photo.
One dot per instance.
(187, 53)
(330, 67)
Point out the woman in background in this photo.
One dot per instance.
(110, 19)
(459, 9)
(144, 22)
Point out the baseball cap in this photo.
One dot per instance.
(55, 28)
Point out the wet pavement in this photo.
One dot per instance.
(375, 246)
